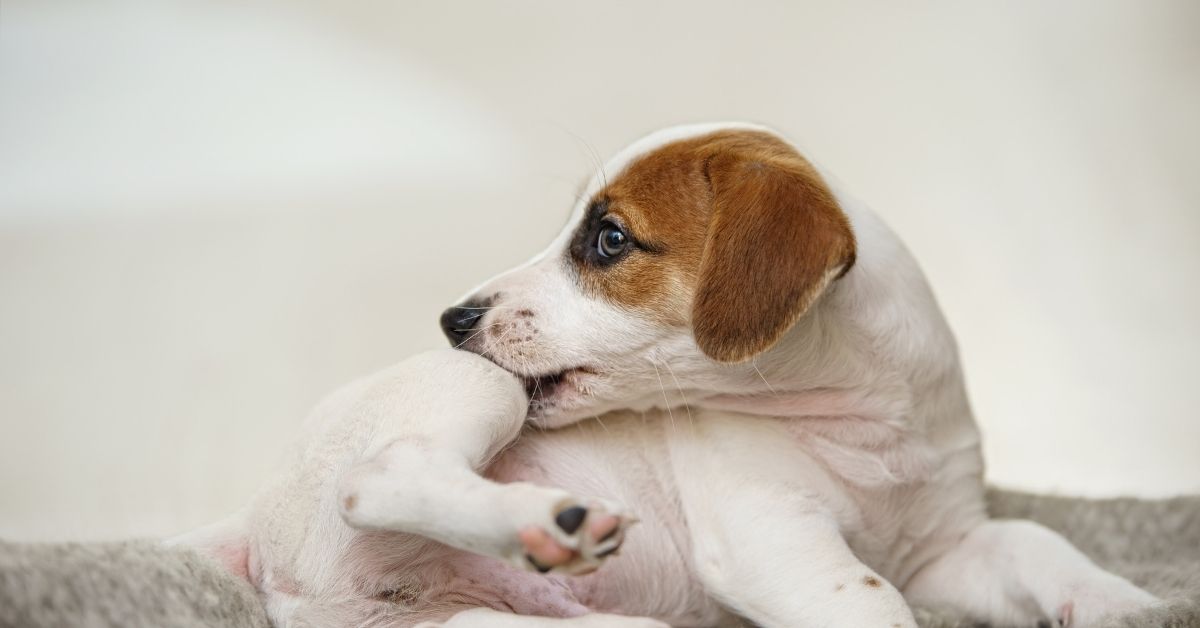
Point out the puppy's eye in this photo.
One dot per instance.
(612, 241)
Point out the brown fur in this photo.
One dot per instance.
(742, 236)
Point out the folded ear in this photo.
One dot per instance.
(776, 239)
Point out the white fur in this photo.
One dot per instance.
(817, 485)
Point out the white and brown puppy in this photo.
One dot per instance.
(753, 365)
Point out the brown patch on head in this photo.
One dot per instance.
(734, 233)
(661, 202)
(872, 581)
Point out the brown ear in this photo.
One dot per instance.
(776, 239)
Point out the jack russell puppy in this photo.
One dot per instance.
(721, 346)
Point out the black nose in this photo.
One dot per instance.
(459, 322)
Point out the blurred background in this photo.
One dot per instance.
(213, 213)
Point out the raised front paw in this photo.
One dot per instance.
(577, 540)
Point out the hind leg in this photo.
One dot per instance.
(1020, 573)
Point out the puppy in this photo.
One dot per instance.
(747, 358)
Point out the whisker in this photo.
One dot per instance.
(764, 379)
(667, 365)
(666, 401)
(592, 152)
(472, 336)
(537, 388)
(578, 194)
(484, 352)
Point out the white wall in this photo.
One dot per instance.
(212, 213)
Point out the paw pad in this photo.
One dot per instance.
(578, 541)
(571, 518)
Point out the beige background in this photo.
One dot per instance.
(211, 213)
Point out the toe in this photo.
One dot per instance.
(1066, 614)
(603, 527)
(542, 548)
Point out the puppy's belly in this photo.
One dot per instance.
(923, 498)
(624, 460)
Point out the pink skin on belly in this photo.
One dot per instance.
(651, 575)
(438, 581)
(525, 593)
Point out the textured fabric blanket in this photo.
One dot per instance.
(137, 584)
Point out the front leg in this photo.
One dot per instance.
(763, 541)
(1012, 572)
(445, 414)
(799, 574)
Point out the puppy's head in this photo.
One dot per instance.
(701, 248)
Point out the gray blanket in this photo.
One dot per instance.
(137, 584)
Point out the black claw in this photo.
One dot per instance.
(609, 551)
(611, 533)
(570, 519)
(536, 565)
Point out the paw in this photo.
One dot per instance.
(577, 540)
(1089, 604)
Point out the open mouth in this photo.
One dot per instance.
(543, 387)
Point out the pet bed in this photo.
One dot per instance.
(141, 584)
